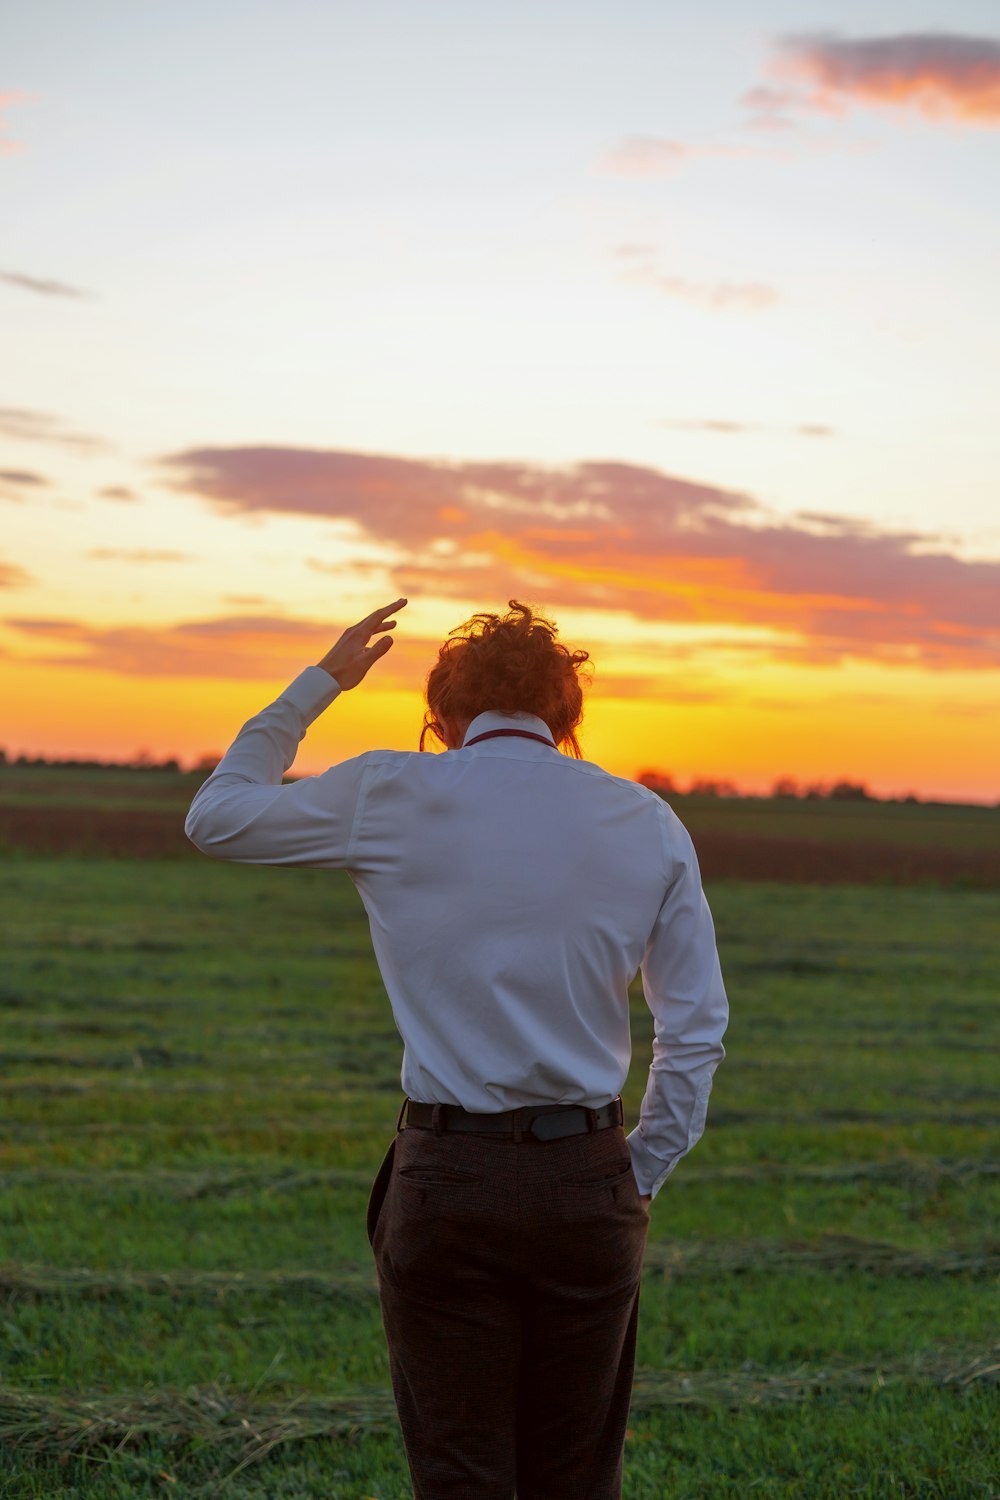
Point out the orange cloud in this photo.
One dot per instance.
(12, 576)
(139, 554)
(622, 537)
(941, 75)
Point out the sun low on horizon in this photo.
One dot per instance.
(677, 327)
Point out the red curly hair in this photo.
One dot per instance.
(509, 663)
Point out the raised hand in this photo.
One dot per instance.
(349, 660)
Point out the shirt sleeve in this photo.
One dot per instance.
(682, 981)
(243, 813)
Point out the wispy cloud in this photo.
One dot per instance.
(139, 554)
(716, 294)
(725, 426)
(42, 285)
(117, 492)
(9, 97)
(938, 74)
(12, 576)
(769, 107)
(42, 427)
(245, 647)
(640, 266)
(14, 482)
(656, 156)
(22, 476)
(618, 536)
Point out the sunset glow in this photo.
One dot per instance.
(679, 328)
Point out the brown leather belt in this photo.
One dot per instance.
(546, 1122)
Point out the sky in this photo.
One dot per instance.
(679, 323)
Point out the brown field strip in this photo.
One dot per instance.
(725, 856)
(138, 833)
(144, 833)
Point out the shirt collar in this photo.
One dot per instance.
(496, 719)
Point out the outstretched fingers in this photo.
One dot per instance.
(378, 620)
(351, 657)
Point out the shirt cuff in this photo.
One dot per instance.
(311, 692)
(650, 1171)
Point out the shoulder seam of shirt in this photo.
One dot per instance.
(359, 807)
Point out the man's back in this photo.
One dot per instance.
(511, 892)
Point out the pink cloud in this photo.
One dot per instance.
(42, 285)
(940, 75)
(43, 427)
(768, 107)
(620, 536)
(236, 647)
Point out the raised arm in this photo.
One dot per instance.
(243, 813)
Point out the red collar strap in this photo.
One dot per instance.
(502, 734)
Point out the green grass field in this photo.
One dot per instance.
(200, 1078)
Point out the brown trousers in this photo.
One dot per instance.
(508, 1276)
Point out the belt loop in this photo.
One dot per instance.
(517, 1120)
(402, 1112)
(591, 1121)
(437, 1119)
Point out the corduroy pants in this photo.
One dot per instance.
(508, 1276)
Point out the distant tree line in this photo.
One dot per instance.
(141, 761)
(658, 781)
(784, 787)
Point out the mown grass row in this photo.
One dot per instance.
(927, 1173)
(214, 1415)
(835, 1253)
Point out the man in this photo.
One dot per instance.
(513, 892)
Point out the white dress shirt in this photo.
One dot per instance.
(512, 892)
